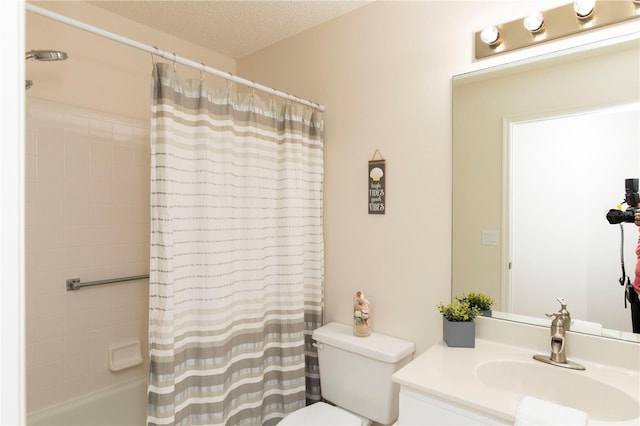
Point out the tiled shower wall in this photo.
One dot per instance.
(87, 217)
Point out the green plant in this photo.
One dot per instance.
(459, 311)
(479, 300)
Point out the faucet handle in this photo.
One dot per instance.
(563, 304)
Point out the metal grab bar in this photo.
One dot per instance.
(74, 283)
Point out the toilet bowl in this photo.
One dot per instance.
(355, 374)
(322, 413)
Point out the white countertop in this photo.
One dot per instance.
(450, 374)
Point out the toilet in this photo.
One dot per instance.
(355, 375)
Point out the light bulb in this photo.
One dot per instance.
(490, 36)
(533, 23)
(584, 8)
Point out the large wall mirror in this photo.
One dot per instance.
(541, 151)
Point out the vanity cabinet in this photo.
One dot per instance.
(485, 385)
(417, 408)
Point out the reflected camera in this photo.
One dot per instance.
(631, 198)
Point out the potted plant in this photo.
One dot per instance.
(458, 328)
(479, 300)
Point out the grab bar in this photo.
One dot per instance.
(74, 283)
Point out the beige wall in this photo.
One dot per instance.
(384, 74)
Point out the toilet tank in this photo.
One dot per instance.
(355, 372)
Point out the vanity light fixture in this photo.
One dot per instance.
(490, 36)
(570, 19)
(584, 8)
(534, 23)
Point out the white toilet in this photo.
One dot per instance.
(355, 374)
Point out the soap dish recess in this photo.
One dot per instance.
(124, 355)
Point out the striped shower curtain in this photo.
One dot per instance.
(236, 255)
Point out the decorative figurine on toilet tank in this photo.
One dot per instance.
(361, 311)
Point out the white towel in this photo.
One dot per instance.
(533, 411)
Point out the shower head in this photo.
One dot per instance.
(46, 55)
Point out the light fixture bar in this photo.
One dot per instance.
(559, 22)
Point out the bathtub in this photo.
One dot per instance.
(123, 405)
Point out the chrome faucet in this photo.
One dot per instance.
(558, 356)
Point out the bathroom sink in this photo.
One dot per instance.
(565, 387)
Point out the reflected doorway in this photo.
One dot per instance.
(564, 174)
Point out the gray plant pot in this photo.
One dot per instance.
(486, 313)
(460, 334)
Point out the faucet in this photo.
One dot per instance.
(565, 316)
(558, 356)
(557, 338)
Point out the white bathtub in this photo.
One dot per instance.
(123, 405)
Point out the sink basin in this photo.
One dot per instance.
(565, 387)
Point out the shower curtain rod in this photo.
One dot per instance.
(167, 55)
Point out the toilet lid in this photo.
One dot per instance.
(321, 413)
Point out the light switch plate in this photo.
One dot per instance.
(489, 237)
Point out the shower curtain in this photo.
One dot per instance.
(236, 255)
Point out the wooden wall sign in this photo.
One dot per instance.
(376, 198)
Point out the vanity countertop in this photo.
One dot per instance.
(451, 374)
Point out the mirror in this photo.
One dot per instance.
(541, 149)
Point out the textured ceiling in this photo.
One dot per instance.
(232, 28)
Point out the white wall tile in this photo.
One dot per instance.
(75, 125)
(101, 162)
(100, 214)
(45, 283)
(118, 120)
(48, 305)
(48, 351)
(50, 158)
(48, 191)
(122, 134)
(31, 162)
(30, 133)
(77, 386)
(73, 111)
(77, 343)
(47, 385)
(141, 137)
(78, 235)
(76, 366)
(76, 202)
(76, 302)
(102, 192)
(49, 119)
(49, 236)
(100, 131)
(123, 163)
(76, 258)
(87, 173)
(30, 234)
(124, 213)
(50, 328)
(50, 214)
(100, 376)
(77, 330)
(102, 234)
(99, 320)
(49, 260)
(77, 158)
